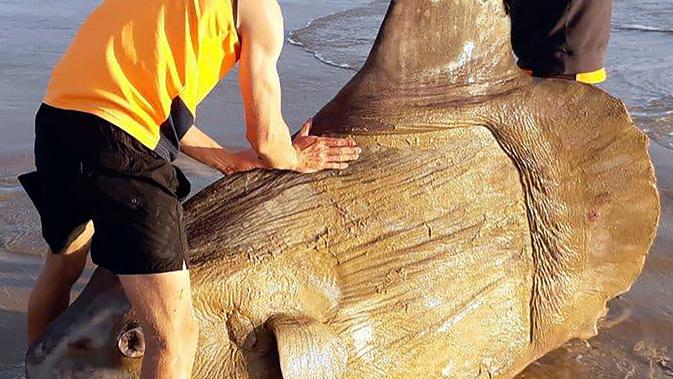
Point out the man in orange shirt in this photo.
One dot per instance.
(119, 107)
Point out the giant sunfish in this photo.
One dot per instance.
(489, 220)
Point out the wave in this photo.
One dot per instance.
(642, 28)
(295, 42)
(656, 119)
(341, 39)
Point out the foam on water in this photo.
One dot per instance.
(641, 28)
(639, 59)
(342, 39)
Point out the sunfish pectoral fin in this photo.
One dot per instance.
(307, 348)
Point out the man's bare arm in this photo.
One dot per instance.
(262, 38)
(204, 149)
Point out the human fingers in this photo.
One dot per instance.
(335, 166)
(343, 154)
(333, 141)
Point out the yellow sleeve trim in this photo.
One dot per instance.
(594, 77)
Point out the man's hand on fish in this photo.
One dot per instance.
(319, 153)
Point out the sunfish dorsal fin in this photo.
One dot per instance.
(307, 348)
(426, 42)
(428, 53)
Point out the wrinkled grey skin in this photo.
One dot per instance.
(489, 220)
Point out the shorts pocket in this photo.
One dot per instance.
(137, 225)
(121, 190)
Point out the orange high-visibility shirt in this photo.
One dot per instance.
(144, 66)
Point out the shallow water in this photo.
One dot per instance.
(636, 339)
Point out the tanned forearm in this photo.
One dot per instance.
(204, 149)
(262, 36)
(260, 86)
(267, 131)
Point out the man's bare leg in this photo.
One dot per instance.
(163, 304)
(51, 294)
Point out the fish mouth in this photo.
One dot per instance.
(96, 337)
(76, 356)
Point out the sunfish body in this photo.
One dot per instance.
(488, 222)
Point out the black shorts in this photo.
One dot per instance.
(89, 169)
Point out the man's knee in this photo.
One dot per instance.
(191, 330)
